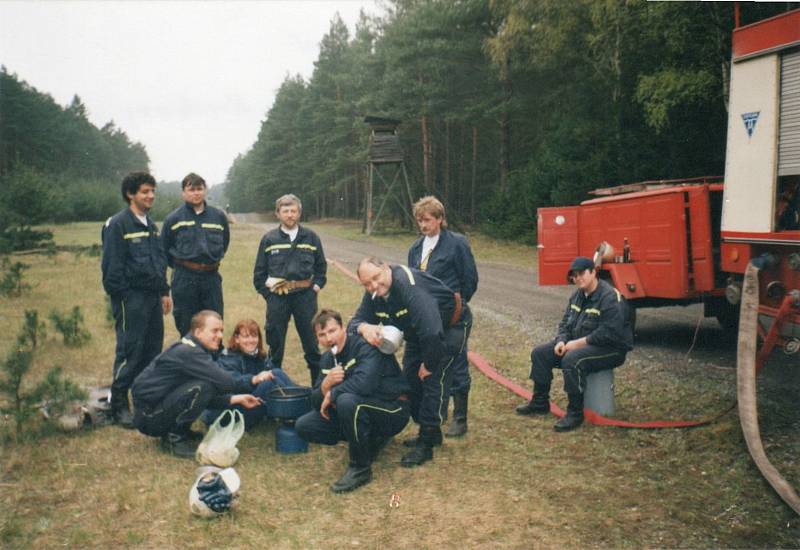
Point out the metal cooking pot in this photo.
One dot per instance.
(288, 402)
(392, 338)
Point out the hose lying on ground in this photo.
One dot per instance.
(746, 389)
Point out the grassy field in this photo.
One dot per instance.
(510, 483)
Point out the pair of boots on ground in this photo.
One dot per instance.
(540, 405)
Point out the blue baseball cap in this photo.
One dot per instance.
(579, 264)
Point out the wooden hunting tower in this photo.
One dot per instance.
(386, 157)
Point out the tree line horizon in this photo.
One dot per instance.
(505, 106)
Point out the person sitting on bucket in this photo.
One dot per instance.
(360, 397)
(182, 382)
(247, 361)
(595, 334)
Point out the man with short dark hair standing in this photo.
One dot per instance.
(360, 397)
(595, 334)
(447, 256)
(135, 277)
(195, 238)
(290, 270)
(182, 382)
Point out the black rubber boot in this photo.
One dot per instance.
(423, 452)
(411, 443)
(179, 444)
(458, 427)
(539, 404)
(574, 416)
(358, 472)
(121, 413)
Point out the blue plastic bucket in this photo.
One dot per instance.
(288, 442)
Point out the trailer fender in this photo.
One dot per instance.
(625, 278)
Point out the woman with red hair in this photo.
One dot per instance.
(246, 359)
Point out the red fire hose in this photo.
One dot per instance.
(592, 417)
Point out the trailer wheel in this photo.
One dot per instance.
(727, 314)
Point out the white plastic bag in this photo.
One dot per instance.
(219, 445)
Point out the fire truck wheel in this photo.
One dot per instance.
(727, 315)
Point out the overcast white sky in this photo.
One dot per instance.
(192, 81)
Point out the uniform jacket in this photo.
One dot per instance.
(243, 366)
(602, 317)
(367, 372)
(418, 303)
(183, 361)
(279, 257)
(132, 256)
(451, 261)
(201, 238)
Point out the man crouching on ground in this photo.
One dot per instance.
(360, 397)
(181, 383)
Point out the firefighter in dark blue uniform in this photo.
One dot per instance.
(435, 324)
(290, 270)
(360, 397)
(180, 383)
(195, 238)
(135, 278)
(595, 334)
(447, 256)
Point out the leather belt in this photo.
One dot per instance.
(287, 286)
(194, 266)
(456, 317)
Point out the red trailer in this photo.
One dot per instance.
(732, 244)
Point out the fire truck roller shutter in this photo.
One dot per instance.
(789, 125)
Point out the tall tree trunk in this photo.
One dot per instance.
(461, 156)
(356, 194)
(505, 128)
(446, 175)
(346, 199)
(474, 174)
(426, 153)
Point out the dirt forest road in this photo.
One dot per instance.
(510, 296)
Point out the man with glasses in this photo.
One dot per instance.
(595, 334)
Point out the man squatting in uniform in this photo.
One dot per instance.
(195, 238)
(435, 326)
(595, 334)
(135, 278)
(360, 397)
(179, 384)
(447, 256)
(290, 270)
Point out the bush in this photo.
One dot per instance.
(71, 327)
(11, 280)
(54, 391)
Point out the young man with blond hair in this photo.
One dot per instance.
(447, 256)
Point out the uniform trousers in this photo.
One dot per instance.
(429, 397)
(302, 305)
(139, 326)
(177, 411)
(576, 365)
(363, 422)
(192, 292)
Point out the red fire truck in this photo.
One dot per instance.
(696, 241)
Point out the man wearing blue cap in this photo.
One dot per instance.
(595, 334)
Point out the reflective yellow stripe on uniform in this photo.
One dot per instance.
(576, 308)
(358, 408)
(351, 363)
(277, 247)
(325, 371)
(410, 275)
(401, 313)
(137, 235)
(212, 226)
(310, 247)
(593, 311)
(181, 224)
(188, 342)
(619, 296)
(381, 314)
